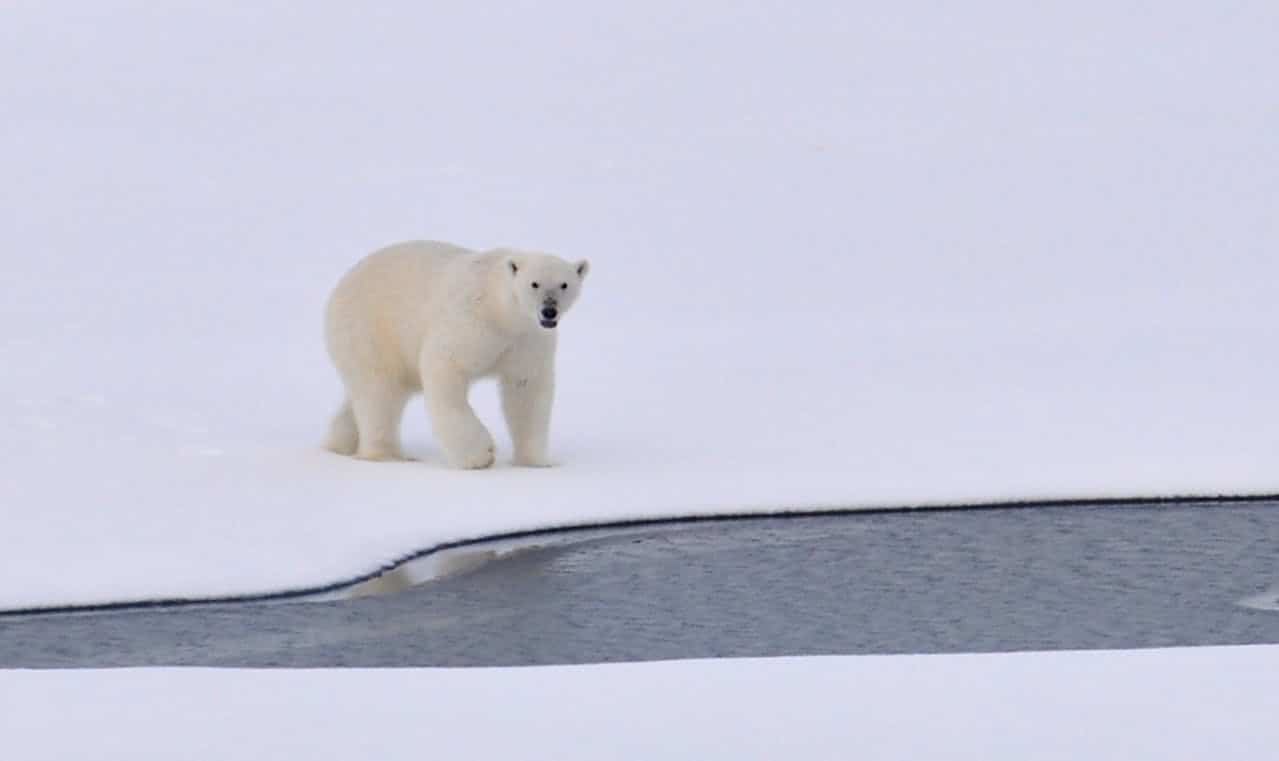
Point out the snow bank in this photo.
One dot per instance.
(841, 257)
(1176, 704)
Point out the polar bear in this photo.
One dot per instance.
(432, 317)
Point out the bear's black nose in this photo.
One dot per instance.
(549, 313)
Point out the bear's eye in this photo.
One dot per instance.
(563, 286)
(535, 285)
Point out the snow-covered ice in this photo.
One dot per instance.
(1172, 705)
(843, 255)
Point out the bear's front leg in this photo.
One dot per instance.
(464, 439)
(526, 402)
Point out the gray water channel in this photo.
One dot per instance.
(907, 582)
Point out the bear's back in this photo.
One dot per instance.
(381, 305)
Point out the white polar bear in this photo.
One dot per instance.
(433, 317)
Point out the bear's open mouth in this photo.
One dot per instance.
(549, 323)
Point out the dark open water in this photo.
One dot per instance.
(912, 582)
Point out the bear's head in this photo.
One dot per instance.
(545, 286)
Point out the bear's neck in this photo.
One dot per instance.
(504, 311)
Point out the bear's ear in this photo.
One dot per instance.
(582, 266)
(513, 266)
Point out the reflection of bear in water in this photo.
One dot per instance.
(433, 317)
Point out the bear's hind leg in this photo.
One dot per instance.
(344, 437)
(377, 413)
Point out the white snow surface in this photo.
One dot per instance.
(844, 255)
(1172, 705)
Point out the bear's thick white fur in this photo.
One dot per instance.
(431, 317)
